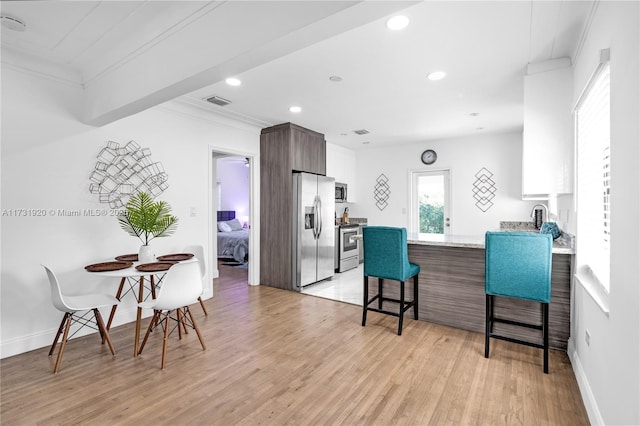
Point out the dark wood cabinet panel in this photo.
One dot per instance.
(308, 151)
(284, 148)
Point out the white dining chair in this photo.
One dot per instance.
(181, 287)
(198, 252)
(72, 306)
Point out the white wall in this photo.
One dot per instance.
(499, 153)
(608, 370)
(47, 157)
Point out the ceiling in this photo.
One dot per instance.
(484, 47)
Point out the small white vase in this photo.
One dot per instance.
(146, 254)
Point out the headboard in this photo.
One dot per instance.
(226, 215)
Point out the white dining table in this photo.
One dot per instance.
(136, 280)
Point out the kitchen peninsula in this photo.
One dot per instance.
(451, 288)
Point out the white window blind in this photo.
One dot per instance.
(593, 176)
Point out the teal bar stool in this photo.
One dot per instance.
(518, 265)
(386, 257)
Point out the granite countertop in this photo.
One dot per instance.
(561, 245)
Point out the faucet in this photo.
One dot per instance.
(545, 217)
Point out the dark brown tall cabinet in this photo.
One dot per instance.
(284, 148)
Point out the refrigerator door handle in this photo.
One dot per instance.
(315, 218)
(319, 216)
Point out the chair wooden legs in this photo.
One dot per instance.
(60, 329)
(64, 328)
(114, 307)
(182, 319)
(195, 327)
(152, 323)
(165, 340)
(202, 304)
(103, 330)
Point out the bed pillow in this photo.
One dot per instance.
(223, 227)
(234, 224)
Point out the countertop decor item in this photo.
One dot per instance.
(147, 219)
(551, 228)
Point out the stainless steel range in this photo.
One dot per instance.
(348, 247)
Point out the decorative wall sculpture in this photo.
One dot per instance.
(123, 171)
(381, 192)
(484, 189)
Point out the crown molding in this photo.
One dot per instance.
(42, 68)
(200, 109)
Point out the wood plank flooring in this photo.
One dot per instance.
(278, 357)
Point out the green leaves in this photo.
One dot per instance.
(147, 219)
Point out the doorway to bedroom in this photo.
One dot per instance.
(232, 202)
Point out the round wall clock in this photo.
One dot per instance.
(429, 156)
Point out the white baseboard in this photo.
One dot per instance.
(595, 418)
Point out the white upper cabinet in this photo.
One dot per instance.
(341, 165)
(547, 151)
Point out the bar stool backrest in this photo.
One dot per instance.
(518, 264)
(386, 253)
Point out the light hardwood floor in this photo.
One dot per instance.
(278, 357)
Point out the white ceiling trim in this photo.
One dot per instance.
(43, 69)
(136, 53)
(197, 110)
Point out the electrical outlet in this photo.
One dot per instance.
(193, 212)
(587, 337)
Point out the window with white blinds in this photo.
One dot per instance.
(593, 132)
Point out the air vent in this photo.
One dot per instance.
(218, 100)
(361, 132)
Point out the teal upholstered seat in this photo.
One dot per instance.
(386, 257)
(518, 265)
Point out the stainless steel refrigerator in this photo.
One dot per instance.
(313, 228)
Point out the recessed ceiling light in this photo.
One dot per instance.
(474, 114)
(365, 143)
(479, 128)
(232, 81)
(295, 108)
(335, 78)
(437, 75)
(397, 22)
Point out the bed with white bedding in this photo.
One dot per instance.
(233, 239)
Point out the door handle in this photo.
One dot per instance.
(319, 217)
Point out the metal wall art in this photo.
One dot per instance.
(382, 192)
(484, 189)
(123, 171)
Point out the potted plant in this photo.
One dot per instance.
(147, 219)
